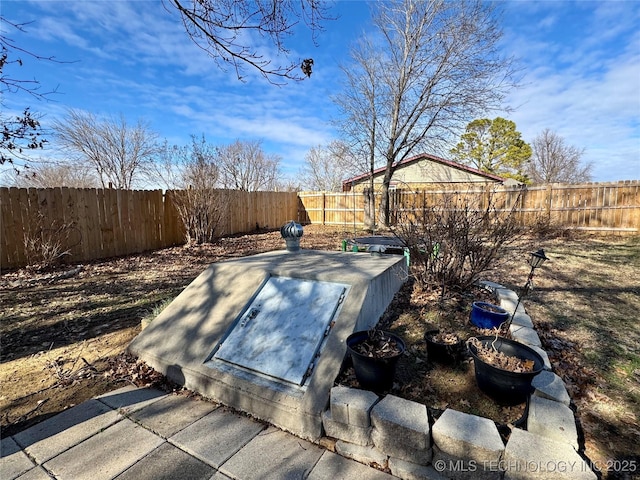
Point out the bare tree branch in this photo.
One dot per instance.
(326, 167)
(116, 150)
(245, 166)
(9, 48)
(434, 65)
(555, 161)
(20, 133)
(229, 29)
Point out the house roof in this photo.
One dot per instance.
(431, 158)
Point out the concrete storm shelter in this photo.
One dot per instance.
(266, 333)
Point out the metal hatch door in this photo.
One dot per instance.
(282, 329)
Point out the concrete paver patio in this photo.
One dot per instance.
(140, 433)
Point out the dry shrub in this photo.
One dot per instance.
(202, 212)
(545, 227)
(453, 240)
(47, 242)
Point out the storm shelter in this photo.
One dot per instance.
(266, 334)
(283, 328)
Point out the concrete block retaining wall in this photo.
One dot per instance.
(396, 433)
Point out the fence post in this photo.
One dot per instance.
(486, 197)
(324, 208)
(547, 200)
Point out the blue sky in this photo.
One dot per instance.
(581, 76)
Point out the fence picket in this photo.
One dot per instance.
(110, 222)
(609, 207)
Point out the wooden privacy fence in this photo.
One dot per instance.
(99, 223)
(607, 207)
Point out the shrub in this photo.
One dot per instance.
(454, 240)
(202, 211)
(48, 242)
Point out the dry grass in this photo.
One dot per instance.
(587, 300)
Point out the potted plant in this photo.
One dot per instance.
(443, 347)
(504, 368)
(375, 354)
(488, 315)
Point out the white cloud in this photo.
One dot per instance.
(584, 87)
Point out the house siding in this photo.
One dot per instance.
(423, 174)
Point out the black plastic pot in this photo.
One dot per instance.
(442, 352)
(505, 387)
(488, 315)
(375, 374)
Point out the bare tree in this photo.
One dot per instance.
(245, 166)
(326, 166)
(116, 150)
(289, 184)
(436, 64)
(201, 207)
(231, 30)
(57, 174)
(358, 104)
(555, 161)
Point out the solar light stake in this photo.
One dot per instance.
(536, 260)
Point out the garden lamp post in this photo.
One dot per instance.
(536, 259)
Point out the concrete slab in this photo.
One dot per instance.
(550, 386)
(344, 431)
(525, 335)
(13, 461)
(171, 414)
(217, 436)
(399, 420)
(335, 467)
(352, 406)
(130, 398)
(508, 299)
(412, 471)
(37, 473)
(168, 462)
(395, 448)
(455, 468)
(220, 476)
(199, 319)
(282, 456)
(552, 419)
(545, 357)
(521, 319)
(465, 436)
(490, 286)
(47, 439)
(106, 454)
(528, 456)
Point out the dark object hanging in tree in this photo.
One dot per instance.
(307, 66)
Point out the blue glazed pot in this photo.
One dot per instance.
(488, 315)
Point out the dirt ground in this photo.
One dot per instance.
(64, 333)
